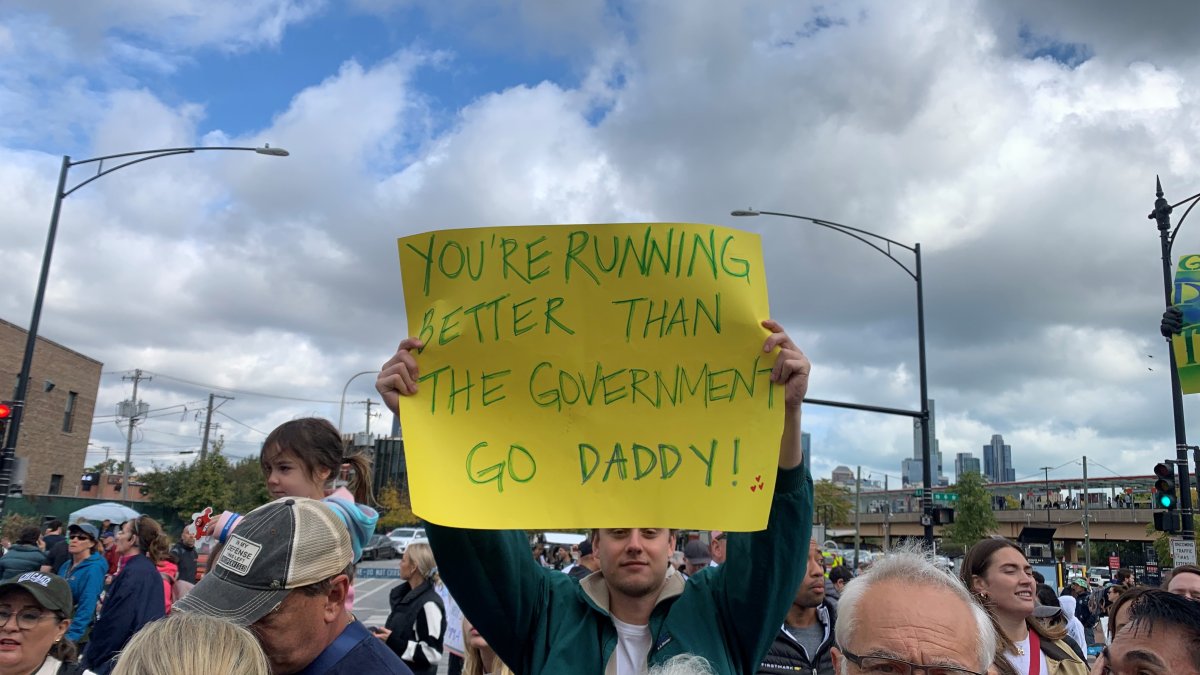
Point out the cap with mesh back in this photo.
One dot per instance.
(289, 543)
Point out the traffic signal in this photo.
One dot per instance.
(6, 413)
(1165, 497)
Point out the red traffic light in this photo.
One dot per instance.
(5, 411)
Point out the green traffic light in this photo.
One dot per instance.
(1165, 501)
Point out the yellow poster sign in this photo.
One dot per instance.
(579, 376)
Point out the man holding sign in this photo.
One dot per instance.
(636, 611)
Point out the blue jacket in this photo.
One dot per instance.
(86, 581)
(134, 600)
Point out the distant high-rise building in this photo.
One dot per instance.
(911, 472)
(806, 445)
(997, 461)
(965, 462)
(935, 454)
(842, 476)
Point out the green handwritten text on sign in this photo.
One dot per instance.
(590, 376)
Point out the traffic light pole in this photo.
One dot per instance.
(1162, 215)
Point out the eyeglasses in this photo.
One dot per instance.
(27, 619)
(889, 666)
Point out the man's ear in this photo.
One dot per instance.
(335, 602)
(837, 659)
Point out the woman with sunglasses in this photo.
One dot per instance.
(34, 614)
(84, 573)
(135, 597)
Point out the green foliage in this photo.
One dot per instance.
(395, 508)
(110, 466)
(832, 503)
(973, 515)
(248, 486)
(187, 488)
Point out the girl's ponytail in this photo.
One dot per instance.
(359, 483)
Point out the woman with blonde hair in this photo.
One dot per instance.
(1001, 580)
(417, 625)
(187, 643)
(480, 659)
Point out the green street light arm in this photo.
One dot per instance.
(146, 155)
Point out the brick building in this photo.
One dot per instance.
(57, 420)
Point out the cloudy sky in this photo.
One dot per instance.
(1018, 143)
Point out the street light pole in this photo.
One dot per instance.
(61, 193)
(342, 405)
(1162, 215)
(884, 246)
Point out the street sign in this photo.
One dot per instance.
(945, 497)
(1183, 551)
(377, 573)
(1114, 562)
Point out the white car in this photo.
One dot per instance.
(403, 536)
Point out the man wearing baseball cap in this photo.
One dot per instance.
(284, 573)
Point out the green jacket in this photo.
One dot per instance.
(543, 621)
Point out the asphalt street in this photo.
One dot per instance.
(371, 594)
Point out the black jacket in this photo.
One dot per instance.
(21, 558)
(185, 559)
(787, 656)
(134, 600)
(418, 625)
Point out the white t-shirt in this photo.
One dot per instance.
(633, 647)
(1021, 662)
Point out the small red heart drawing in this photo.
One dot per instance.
(758, 478)
(753, 488)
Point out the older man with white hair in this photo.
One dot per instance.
(905, 613)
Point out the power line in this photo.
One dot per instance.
(240, 391)
(241, 423)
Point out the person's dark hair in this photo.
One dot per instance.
(53, 524)
(64, 650)
(318, 445)
(1179, 569)
(29, 535)
(1046, 596)
(1039, 577)
(1123, 574)
(840, 573)
(149, 536)
(1156, 609)
(1114, 607)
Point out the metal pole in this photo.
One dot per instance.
(887, 517)
(926, 454)
(1087, 529)
(14, 425)
(342, 406)
(857, 515)
(207, 424)
(1162, 214)
(137, 377)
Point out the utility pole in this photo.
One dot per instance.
(887, 517)
(134, 413)
(857, 515)
(208, 423)
(369, 403)
(1047, 470)
(1087, 530)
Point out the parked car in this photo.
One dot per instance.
(403, 536)
(380, 547)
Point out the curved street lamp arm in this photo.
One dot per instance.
(855, 233)
(342, 405)
(144, 155)
(105, 172)
(1193, 199)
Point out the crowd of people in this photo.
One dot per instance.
(278, 594)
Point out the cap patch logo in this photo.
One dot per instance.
(239, 554)
(38, 578)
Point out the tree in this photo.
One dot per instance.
(395, 508)
(188, 488)
(248, 486)
(973, 515)
(110, 466)
(831, 502)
